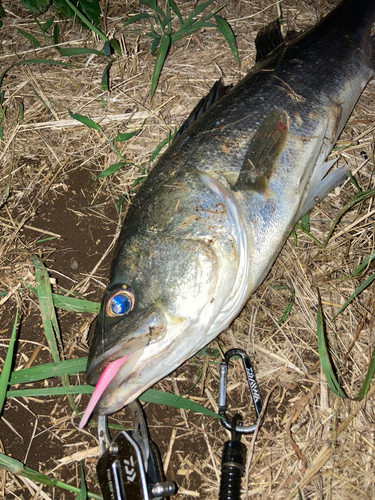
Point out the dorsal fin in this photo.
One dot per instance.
(215, 94)
(263, 152)
(268, 39)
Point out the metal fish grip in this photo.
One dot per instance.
(130, 466)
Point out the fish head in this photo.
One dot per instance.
(176, 282)
(152, 319)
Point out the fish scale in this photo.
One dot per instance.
(213, 214)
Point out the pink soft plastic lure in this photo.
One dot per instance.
(107, 376)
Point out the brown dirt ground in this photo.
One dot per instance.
(52, 189)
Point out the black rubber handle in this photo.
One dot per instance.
(232, 467)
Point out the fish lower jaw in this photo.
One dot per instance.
(134, 384)
(106, 407)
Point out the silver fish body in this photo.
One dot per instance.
(210, 219)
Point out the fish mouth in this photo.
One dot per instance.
(115, 373)
(115, 367)
(109, 370)
(97, 364)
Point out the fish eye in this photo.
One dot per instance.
(120, 302)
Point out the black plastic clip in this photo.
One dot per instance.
(253, 386)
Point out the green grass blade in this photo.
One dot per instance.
(31, 61)
(36, 6)
(208, 25)
(48, 370)
(155, 44)
(71, 303)
(46, 239)
(176, 11)
(76, 305)
(227, 32)
(21, 111)
(34, 42)
(111, 169)
(82, 495)
(166, 22)
(198, 9)
(105, 77)
(168, 16)
(160, 58)
(47, 309)
(92, 9)
(357, 199)
(305, 223)
(49, 320)
(367, 382)
(56, 34)
(115, 46)
(78, 51)
(107, 48)
(7, 367)
(150, 396)
(153, 5)
(152, 33)
(16, 467)
(46, 26)
(354, 182)
(195, 383)
(208, 351)
(192, 28)
(327, 367)
(324, 357)
(360, 289)
(289, 305)
(138, 17)
(41, 28)
(51, 391)
(362, 266)
(86, 21)
(139, 180)
(125, 136)
(86, 121)
(346, 146)
(45, 105)
(120, 201)
(165, 398)
(317, 242)
(2, 14)
(2, 113)
(161, 145)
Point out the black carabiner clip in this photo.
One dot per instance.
(253, 386)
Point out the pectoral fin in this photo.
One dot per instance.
(263, 152)
(320, 185)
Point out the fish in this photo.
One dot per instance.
(206, 226)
